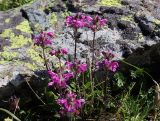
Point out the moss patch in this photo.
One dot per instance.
(111, 3)
(24, 27)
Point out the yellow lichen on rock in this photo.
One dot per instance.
(157, 21)
(111, 3)
(8, 55)
(7, 20)
(24, 27)
(20, 41)
(16, 41)
(127, 18)
(7, 33)
(65, 14)
(12, 52)
(34, 55)
(53, 18)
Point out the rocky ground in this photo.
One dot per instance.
(132, 24)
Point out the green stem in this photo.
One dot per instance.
(35, 93)
(75, 46)
(93, 64)
(45, 59)
(93, 48)
(11, 114)
(142, 70)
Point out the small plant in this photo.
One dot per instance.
(65, 79)
(136, 108)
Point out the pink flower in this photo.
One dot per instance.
(103, 22)
(81, 68)
(43, 39)
(89, 18)
(108, 55)
(113, 66)
(79, 103)
(69, 65)
(63, 51)
(57, 81)
(68, 76)
(51, 34)
(53, 52)
(62, 101)
(58, 53)
(108, 64)
(47, 41)
(78, 21)
(93, 27)
(97, 23)
(70, 104)
(76, 67)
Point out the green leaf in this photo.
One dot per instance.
(137, 73)
(120, 79)
(50, 96)
(88, 85)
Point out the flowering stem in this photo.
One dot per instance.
(44, 57)
(93, 48)
(75, 47)
(35, 93)
(105, 87)
(93, 63)
(75, 56)
(76, 83)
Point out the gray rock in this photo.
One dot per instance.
(36, 17)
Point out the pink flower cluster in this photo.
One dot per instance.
(80, 21)
(59, 81)
(108, 63)
(76, 67)
(70, 103)
(97, 23)
(44, 38)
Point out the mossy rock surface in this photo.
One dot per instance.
(111, 3)
(16, 43)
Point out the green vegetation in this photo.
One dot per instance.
(65, 14)
(9, 4)
(111, 3)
